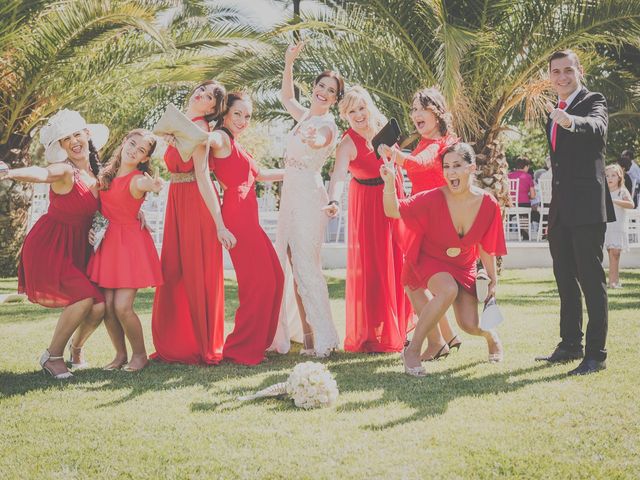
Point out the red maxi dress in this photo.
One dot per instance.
(187, 322)
(258, 271)
(126, 257)
(378, 310)
(427, 215)
(54, 256)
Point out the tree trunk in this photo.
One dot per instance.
(15, 199)
(492, 175)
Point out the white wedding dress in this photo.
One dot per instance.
(301, 227)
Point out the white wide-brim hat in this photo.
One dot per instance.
(65, 123)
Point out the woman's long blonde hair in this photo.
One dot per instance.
(109, 172)
(355, 95)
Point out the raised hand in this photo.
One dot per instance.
(558, 115)
(293, 51)
(384, 151)
(155, 182)
(226, 238)
(388, 171)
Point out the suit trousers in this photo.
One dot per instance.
(577, 264)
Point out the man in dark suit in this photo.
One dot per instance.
(580, 207)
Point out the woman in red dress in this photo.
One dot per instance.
(126, 259)
(443, 260)
(377, 309)
(188, 310)
(258, 271)
(424, 168)
(54, 256)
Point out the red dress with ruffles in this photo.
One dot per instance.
(126, 257)
(429, 176)
(258, 271)
(427, 216)
(54, 256)
(187, 321)
(377, 308)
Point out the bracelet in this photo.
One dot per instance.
(334, 202)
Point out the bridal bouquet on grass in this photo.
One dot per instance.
(311, 385)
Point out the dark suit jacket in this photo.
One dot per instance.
(580, 195)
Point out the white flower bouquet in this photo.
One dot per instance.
(99, 226)
(310, 385)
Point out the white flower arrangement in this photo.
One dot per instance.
(310, 385)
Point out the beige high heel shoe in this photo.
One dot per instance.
(498, 356)
(413, 371)
(45, 357)
(83, 363)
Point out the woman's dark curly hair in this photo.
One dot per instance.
(431, 99)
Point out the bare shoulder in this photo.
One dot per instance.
(202, 124)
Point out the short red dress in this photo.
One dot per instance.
(427, 216)
(53, 260)
(258, 271)
(187, 321)
(126, 257)
(428, 176)
(377, 309)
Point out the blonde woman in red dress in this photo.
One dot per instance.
(54, 256)
(188, 309)
(257, 266)
(443, 259)
(126, 259)
(424, 168)
(377, 309)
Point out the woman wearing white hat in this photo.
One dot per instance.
(55, 252)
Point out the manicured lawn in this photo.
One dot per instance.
(467, 419)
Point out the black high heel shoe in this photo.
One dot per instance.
(441, 354)
(454, 345)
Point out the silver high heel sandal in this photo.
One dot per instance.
(44, 358)
(306, 342)
(413, 371)
(77, 366)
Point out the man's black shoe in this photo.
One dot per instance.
(587, 366)
(561, 355)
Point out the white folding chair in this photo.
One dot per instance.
(518, 219)
(633, 226)
(545, 200)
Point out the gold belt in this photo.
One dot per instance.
(183, 177)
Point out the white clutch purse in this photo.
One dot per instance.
(188, 135)
(491, 315)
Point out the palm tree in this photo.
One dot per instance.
(116, 61)
(489, 58)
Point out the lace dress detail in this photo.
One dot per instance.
(301, 227)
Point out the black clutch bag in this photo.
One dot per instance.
(388, 135)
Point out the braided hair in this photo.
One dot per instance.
(94, 159)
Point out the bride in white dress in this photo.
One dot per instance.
(306, 314)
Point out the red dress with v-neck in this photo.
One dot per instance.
(188, 310)
(433, 233)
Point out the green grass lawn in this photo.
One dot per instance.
(467, 419)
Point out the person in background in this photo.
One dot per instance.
(526, 189)
(616, 237)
